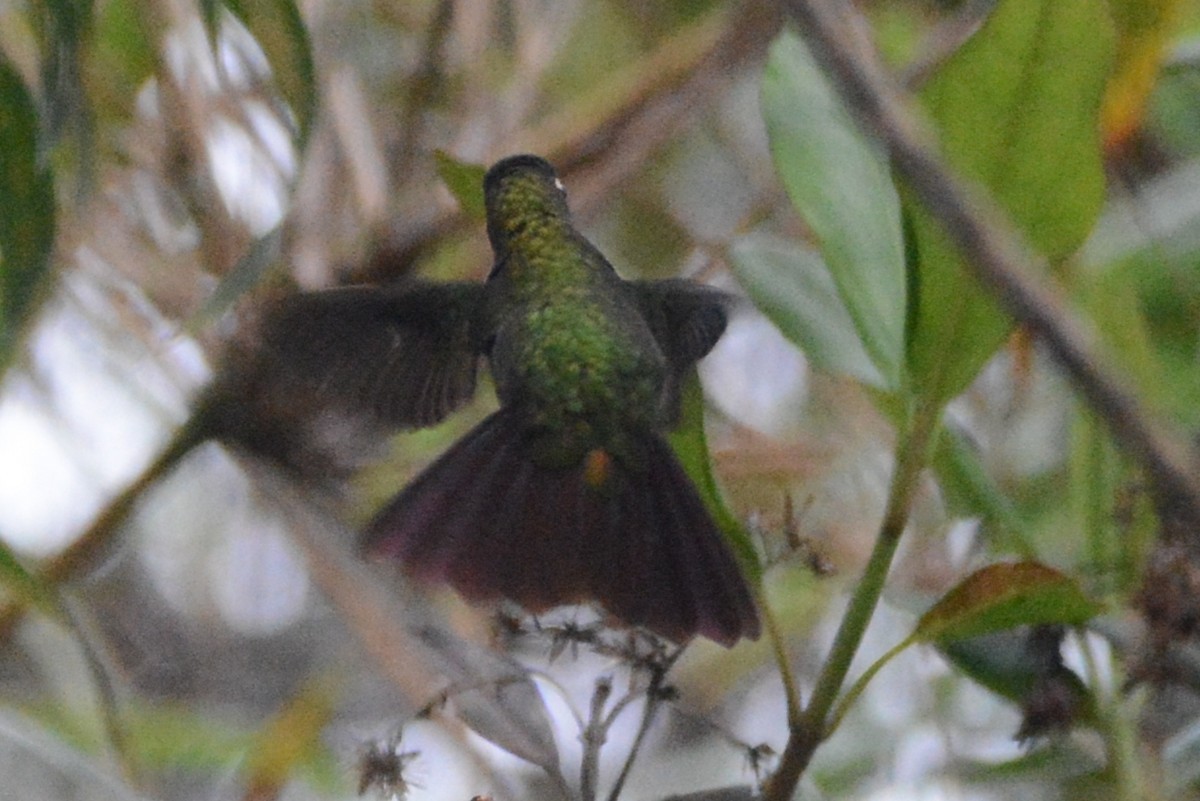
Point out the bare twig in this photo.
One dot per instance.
(993, 248)
(946, 40)
(425, 86)
(106, 692)
(375, 616)
(418, 658)
(594, 736)
(91, 547)
(601, 139)
(656, 693)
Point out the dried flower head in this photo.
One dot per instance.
(381, 768)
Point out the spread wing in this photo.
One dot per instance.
(404, 354)
(686, 319)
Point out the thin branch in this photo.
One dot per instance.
(382, 623)
(791, 690)
(594, 736)
(912, 455)
(91, 547)
(653, 701)
(602, 138)
(993, 248)
(655, 695)
(1115, 726)
(945, 40)
(106, 693)
(416, 656)
(563, 695)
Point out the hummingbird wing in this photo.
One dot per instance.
(405, 354)
(686, 319)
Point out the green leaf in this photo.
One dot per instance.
(244, 276)
(122, 56)
(1003, 596)
(64, 27)
(279, 29)
(971, 491)
(791, 284)
(1017, 110)
(210, 15)
(1002, 662)
(465, 182)
(691, 447)
(26, 587)
(840, 182)
(26, 212)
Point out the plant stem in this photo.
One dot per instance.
(1119, 737)
(812, 727)
(106, 694)
(593, 737)
(653, 701)
(791, 690)
(861, 683)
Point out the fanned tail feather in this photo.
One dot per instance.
(488, 520)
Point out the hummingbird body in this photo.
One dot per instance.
(567, 342)
(568, 493)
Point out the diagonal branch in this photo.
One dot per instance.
(993, 248)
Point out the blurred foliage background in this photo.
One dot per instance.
(186, 618)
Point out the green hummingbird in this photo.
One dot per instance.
(569, 492)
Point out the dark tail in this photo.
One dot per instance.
(493, 524)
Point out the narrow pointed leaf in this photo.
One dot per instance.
(25, 586)
(691, 446)
(465, 182)
(1019, 116)
(840, 182)
(289, 739)
(26, 212)
(1003, 596)
(244, 276)
(281, 33)
(973, 492)
(122, 56)
(791, 284)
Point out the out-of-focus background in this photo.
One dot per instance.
(220, 638)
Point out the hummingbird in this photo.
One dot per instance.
(568, 493)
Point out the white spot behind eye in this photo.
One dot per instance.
(559, 184)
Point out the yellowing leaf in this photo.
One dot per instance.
(1002, 596)
(289, 740)
(1144, 32)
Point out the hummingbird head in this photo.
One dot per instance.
(523, 196)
